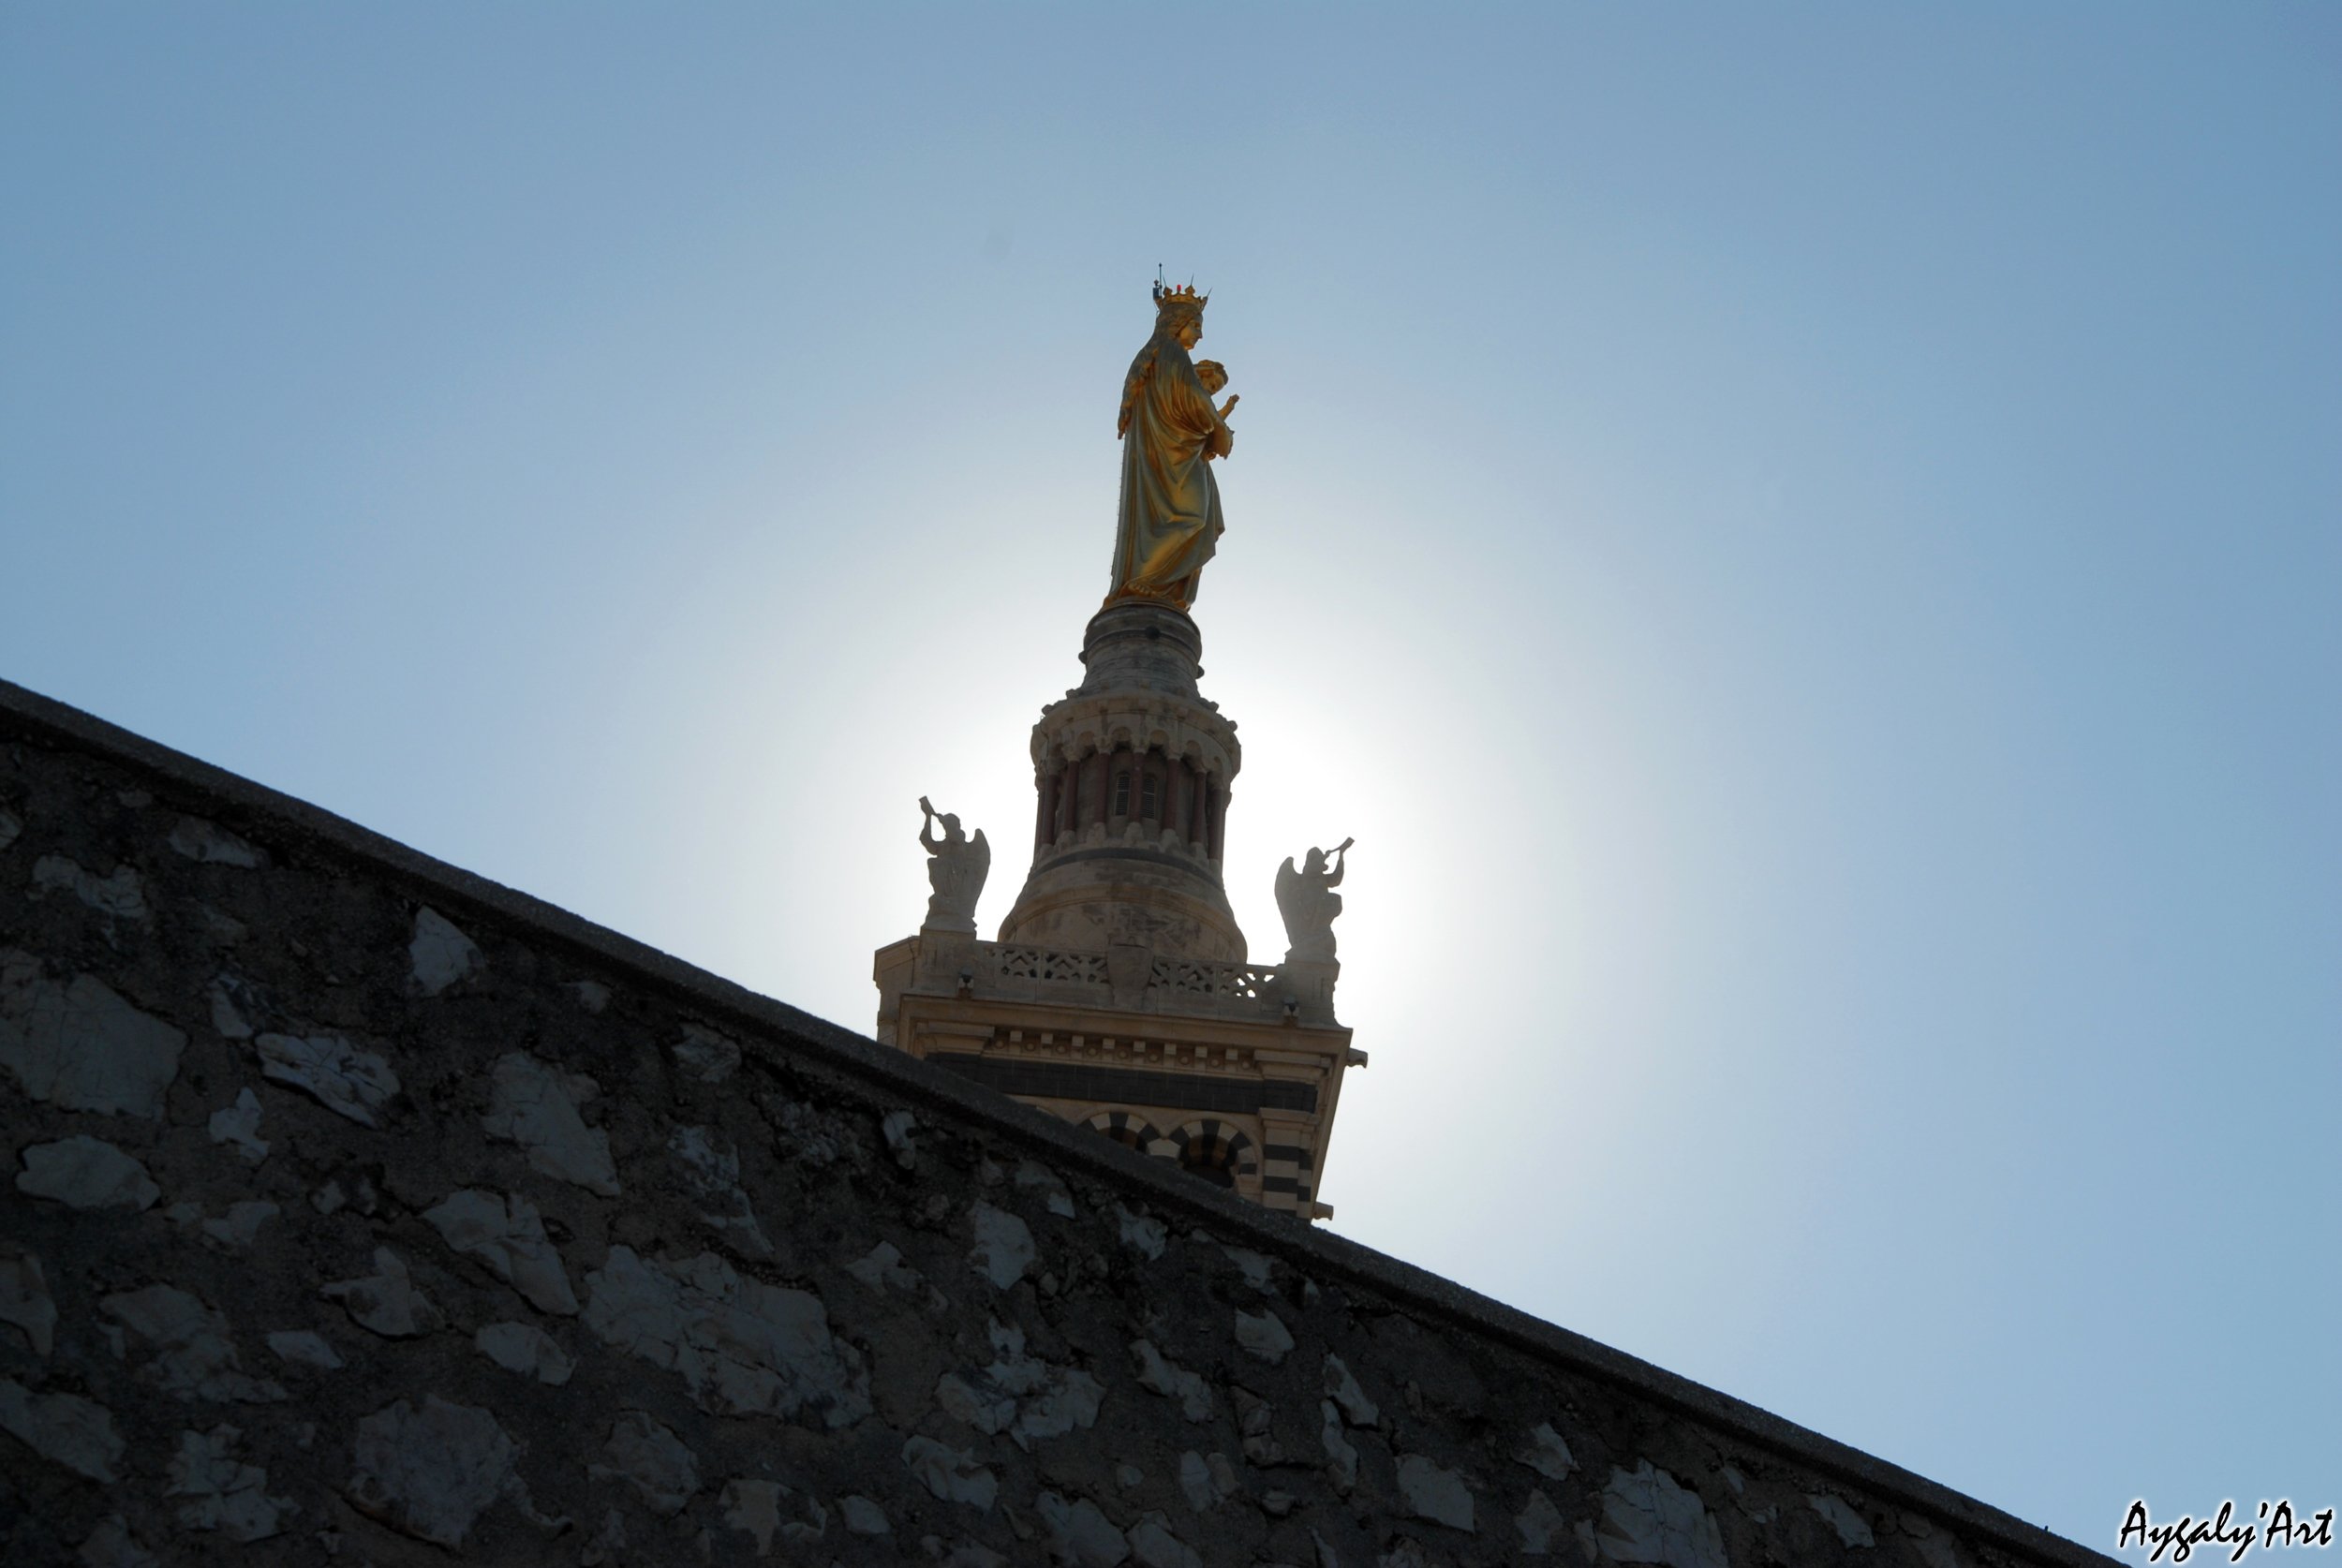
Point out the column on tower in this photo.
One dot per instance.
(1180, 788)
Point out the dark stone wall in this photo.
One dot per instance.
(362, 1211)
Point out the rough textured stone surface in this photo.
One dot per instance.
(477, 1234)
(78, 1044)
(240, 1125)
(63, 1427)
(441, 955)
(524, 1347)
(387, 1300)
(25, 1302)
(431, 1471)
(537, 1107)
(345, 1080)
(82, 1172)
(741, 1345)
(647, 1456)
(1650, 1516)
(223, 1492)
(507, 1235)
(194, 1354)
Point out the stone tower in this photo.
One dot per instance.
(1118, 995)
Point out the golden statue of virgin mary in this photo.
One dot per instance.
(1170, 514)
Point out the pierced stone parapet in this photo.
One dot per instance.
(1177, 986)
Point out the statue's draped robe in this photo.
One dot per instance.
(1170, 516)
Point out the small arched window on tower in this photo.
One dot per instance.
(1121, 793)
(1216, 1152)
(1150, 797)
(1130, 1132)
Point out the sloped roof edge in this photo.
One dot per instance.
(814, 1044)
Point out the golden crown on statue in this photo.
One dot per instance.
(1178, 296)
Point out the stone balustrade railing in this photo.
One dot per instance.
(1171, 985)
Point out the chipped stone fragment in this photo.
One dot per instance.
(1160, 1376)
(1255, 1422)
(609, 1543)
(1936, 1548)
(198, 840)
(754, 1508)
(1252, 1264)
(647, 1456)
(713, 1173)
(64, 1429)
(1023, 1396)
(118, 894)
(1435, 1494)
(863, 1517)
(1263, 1335)
(239, 1124)
(591, 995)
(1195, 1482)
(195, 1356)
(706, 1055)
(535, 1104)
(79, 1045)
(896, 1127)
(112, 1546)
(1032, 1175)
(884, 1267)
(1068, 1399)
(308, 1349)
(1341, 1457)
(1540, 1525)
(1206, 1483)
(1647, 1516)
(1141, 1232)
(241, 1222)
(228, 1016)
(1079, 1534)
(220, 929)
(336, 1074)
(952, 1474)
(25, 1302)
(82, 1172)
(431, 1471)
(229, 1496)
(386, 1301)
(1003, 1249)
(507, 1235)
(1852, 1529)
(1546, 1454)
(987, 1412)
(1153, 1543)
(741, 1345)
(441, 955)
(525, 1349)
(1342, 1388)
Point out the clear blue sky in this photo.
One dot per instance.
(1805, 542)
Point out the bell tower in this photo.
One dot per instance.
(1118, 995)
